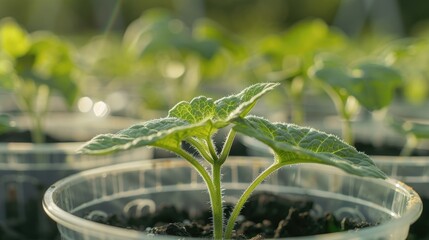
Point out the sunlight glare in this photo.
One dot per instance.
(85, 104)
(101, 109)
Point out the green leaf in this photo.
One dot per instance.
(197, 118)
(240, 104)
(295, 144)
(417, 128)
(165, 133)
(220, 112)
(197, 110)
(372, 84)
(304, 37)
(13, 39)
(54, 66)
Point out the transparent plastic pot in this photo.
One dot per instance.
(413, 171)
(128, 188)
(27, 170)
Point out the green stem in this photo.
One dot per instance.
(194, 162)
(217, 206)
(39, 111)
(246, 194)
(227, 146)
(346, 124)
(296, 91)
(212, 148)
(346, 128)
(340, 102)
(213, 185)
(37, 135)
(410, 145)
(201, 149)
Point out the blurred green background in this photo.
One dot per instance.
(127, 53)
(69, 17)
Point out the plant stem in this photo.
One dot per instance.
(340, 101)
(39, 110)
(37, 128)
(227, 146)
(347, 130)
(200, 169)
(246, 194)
(213, 185)
(410, 144)
(216, 199)
(212, 148)
(201, 149)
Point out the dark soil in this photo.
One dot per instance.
(265, 215)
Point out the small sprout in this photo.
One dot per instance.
(32, 67)
(196, 122)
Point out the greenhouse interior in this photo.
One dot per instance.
(204, 119)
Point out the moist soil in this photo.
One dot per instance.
(265, 215)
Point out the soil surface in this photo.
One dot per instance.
(265, 215)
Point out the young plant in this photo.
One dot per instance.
(32, 67)
(415, 132)
(197, 121)
(178, 58)
(287, 56)
(367, 84)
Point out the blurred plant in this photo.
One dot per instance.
(6, 124)
(177, 57)
(368, 84)
(160, 60)
(32, 67)
(415, 132)
(286, 57)
(410, 56)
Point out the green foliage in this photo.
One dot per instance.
(196, 122)
(285, 57)
(178, 58)
(410, 56)
(200, 118)
(6, 125)
(415, 131)
(32, 67)
(368, 84)
(295, 144)
(372, 84)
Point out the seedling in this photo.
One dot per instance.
(197, 121)
(368, 84)
(32, 67)
(288, 56)
(415, 132)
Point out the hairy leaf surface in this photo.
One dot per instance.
(295, 144)
(198, 118)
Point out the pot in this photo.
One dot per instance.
(130, 187)
(27, 170)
